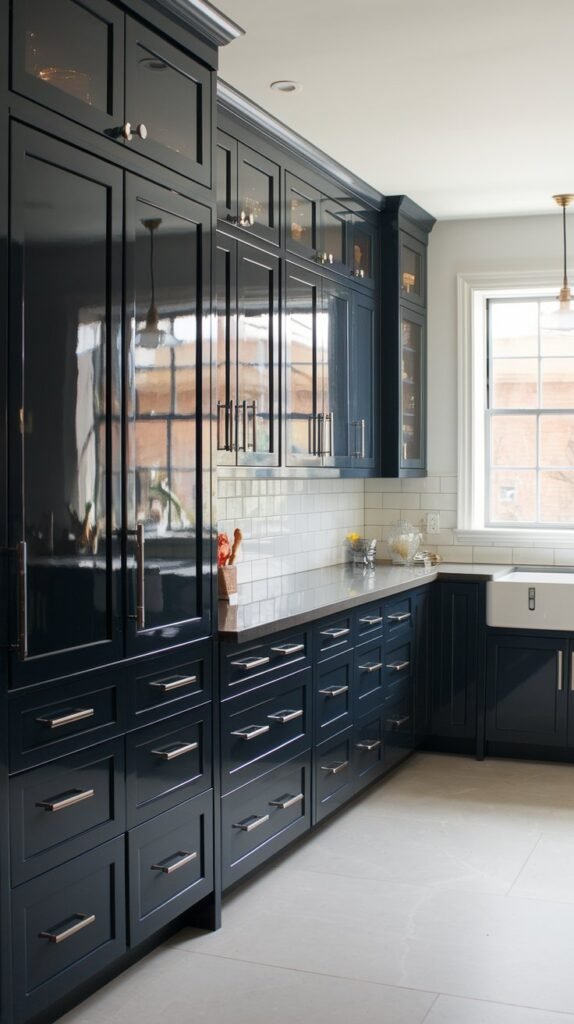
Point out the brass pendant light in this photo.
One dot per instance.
(562, 319)
(152, 336)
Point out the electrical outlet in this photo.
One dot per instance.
(433, 522)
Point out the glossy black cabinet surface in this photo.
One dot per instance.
(456, 676)
(527, 690)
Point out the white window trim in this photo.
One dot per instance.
(473, 291)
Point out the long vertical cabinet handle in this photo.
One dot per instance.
(22, 549)
(572, 672)
(331, 418)
(363, 454)
(140, 576)
(560, 667)
(227, 445)
(243, 447)
(253, 407)
(320, 423)
(313, 434)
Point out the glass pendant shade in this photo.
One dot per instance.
(152, 335)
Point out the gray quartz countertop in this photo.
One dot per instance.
(301, 597)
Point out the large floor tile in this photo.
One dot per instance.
(549, 871)
(177, 987)
(449, 1010)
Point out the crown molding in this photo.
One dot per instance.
(204, 18)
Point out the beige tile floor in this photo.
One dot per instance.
(445, 895)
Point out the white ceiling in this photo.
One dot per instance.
(464, 105)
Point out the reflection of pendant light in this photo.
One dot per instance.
(561, 319)
(152, 336)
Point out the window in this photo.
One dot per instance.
(516, 413)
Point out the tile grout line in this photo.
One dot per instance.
(431, 1007)
(526, 862)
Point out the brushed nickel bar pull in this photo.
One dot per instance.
(140, 576)
(311, 435)
(168, 869)
(244, 422)
(231, 426)
(335, 768)
(248, 664)
(83, 921)
(572, 674)
(286, 801)
(397, 722)
(373, 667)
(173, 751)
(331, 418)
(368, 745)
(334, 691)
(334, 634)
(560, 667)
(320, 419)
(254, 434)
(225, 447)
(398, 666)
(175, 684)
(288, 649)
(363, 454)
(373, 620)
(399, 616)
(357, 453)
(22, 549)
(59, 803)
(250, 824)
(251, 731)
(286, 716)
(67, 718)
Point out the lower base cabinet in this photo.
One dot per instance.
(368, 751)
(333, 777)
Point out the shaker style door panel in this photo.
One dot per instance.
(65, 409)
(258, 195)
(364, 363)
(412, 270)
(302, 218)
(69, 55)
(168, 104)
(363, 249)
(335, 234)
(526, 690)
(333, 375)
(302, 321)
(167, 459)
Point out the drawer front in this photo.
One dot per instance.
(270, 725)
(247, 666)
(369, 622)
(398, 727)
(333, 696)
(170, 865)
(398, 667)
(369, 751)
(334, 636)
(399, 616)
(369, 683)
(167, 763)
(66, 808)
(163, 686)
(67, 925)
(263, 817)
(57, 720)
(333, 774)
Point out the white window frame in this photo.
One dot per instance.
(473, 292)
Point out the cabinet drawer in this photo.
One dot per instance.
(398, 727)
(67, 925)
(369, 622)
(334, 636)
(170, 862)
(66, 808)
(166, 685)
(398, 668)
(369, 751)
(57, 720)
(167, 763)
(272, 724)
(333, 774)
(333, 696)
(369, 683)
(261, 818)
(399, 617)
(244, 667)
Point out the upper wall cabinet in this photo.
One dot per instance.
(91, 63)
(247, 190)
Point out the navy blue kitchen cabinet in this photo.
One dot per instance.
(456, 673)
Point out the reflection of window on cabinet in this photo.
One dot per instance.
(247, 189)
(411, 334)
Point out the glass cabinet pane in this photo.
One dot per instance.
(412, 265)
(302, 214)
(363, 376)
(362, 254)
(257, 292)
(163, 479)
(303, 296)
(226, 178)
(333, 373)
(411, 388)
(258, 194)
(334, 225)
(226, 353)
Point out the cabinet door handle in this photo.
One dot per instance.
(22, 549)
(246, 220)
(335, 768)
(398, 666)
(286, 716)
(253, 407)
(59, 803)
(560, 668)
(320, 419)
(396, 723)
(334, 634)
(286, 801)
(572, 673)
(83, 920)
(372, 667)
(128, 132)
(251, 731)
(324, 421)
(363, 454)
(139, 534)
(66, 718)
(368, 745)
(288, 649)
(398, 616)
(334, 691)
(312, 434)
(184, 857)
(248, 664)
(227, 445)
(171, 752)
(175, 684)
(250, 824)
(374, 620)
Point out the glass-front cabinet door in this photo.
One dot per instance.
(226, 178)
(363, 249)
(167, 492)
(335, 235)
(412, 263)
(303, 324)
(257, 403)
(412, 389)
(225, 308)
(302, 218)
(65, 409)
(363, 381)
(69, 55)
(333, 375)
(168, 104)
(258, 195)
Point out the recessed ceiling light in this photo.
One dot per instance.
(284, 85)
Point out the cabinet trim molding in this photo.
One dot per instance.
(216, 27)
